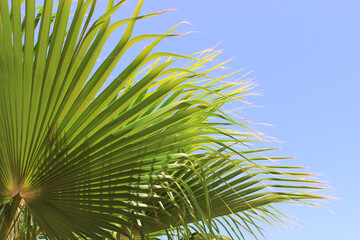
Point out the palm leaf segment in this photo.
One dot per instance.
(149, 154)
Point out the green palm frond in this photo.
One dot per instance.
(150, 153)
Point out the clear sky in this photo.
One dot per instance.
(305, 56)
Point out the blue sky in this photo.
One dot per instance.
(305, 56)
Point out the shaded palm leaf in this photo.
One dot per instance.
(150, 153)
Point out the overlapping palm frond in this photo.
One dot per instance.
(150, 154)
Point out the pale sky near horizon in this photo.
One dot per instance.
(305, 56)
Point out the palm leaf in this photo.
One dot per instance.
(150, 153)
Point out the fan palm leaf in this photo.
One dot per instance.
(148, 153)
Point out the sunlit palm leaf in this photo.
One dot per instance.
(150, 154)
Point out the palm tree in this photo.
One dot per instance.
(148, 153)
